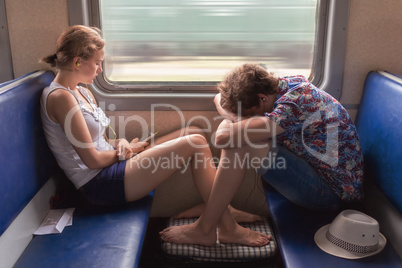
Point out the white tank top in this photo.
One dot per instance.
(61, 146)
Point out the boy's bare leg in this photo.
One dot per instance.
(226, 184)
(238, 215)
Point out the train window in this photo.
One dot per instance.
(195, 42)
(159, 47)
(200, 40)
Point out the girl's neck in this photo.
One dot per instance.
(66, 79)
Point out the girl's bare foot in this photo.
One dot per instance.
(238, 215)
(244, 236)
(188, 234)
(193, 212)
(242, 216)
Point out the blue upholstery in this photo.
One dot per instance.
(26, 163)
(294, 229)
(99, 236)
(15, 80)
(379, 122)
(109, 239)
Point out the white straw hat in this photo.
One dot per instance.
(352, 235)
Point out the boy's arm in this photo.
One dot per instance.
(225, 113)
(251, 131)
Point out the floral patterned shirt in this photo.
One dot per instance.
(319, 129)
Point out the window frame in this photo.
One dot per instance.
(327, 72)
(6, 68)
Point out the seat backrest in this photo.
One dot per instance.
(379, 122)
(26, 162)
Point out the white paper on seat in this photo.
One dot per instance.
(55, 221)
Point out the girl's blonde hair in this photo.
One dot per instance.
(77, 41)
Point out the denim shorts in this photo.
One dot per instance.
(297, 180)
(107, 188)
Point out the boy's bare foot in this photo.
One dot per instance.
(238, 215)
(191, 234)
(244, 236)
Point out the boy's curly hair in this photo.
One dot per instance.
(243, 84)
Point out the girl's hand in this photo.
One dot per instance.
(124, 150)
(138, 146)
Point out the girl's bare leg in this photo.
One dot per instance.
(145, 171)
(153, 166)
(176, 134)
(193, 212)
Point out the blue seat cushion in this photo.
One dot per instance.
(379, 123)
(295, 227)
(109, 238)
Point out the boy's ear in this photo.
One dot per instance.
(262, 97)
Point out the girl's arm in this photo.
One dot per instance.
(63, 108)
(125, 149)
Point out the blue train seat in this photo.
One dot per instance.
(99, 237)
(379, 122)
(379, 125)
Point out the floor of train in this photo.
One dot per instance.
(153, 256)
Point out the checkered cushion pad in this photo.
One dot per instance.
(222, 252)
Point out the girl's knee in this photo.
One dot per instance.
(194, 130)
(198, 140)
